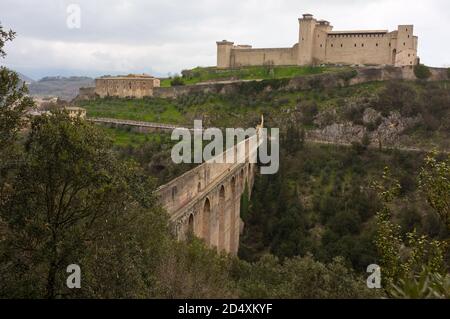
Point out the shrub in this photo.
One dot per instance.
(422, 72)
(397, 96)
(448, 73)
(365, 141)
(348, 75)
(177, 81)
(309, 111)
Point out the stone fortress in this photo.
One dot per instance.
(319, 44)
(131, 85)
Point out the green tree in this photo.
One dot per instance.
(177, 81)
(245, 202)
(434, 181)
(191, 270)
(299, 278)
(365, 141)
(404, 260)
(13, 104)
(5, 36)
(422, 72)
(69, 193)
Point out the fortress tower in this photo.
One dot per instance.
(306, 39)
(224, 54)
(319, 44)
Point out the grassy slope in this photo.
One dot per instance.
(154, 110)
(129, 138)
(220, 110)
(249, 73)
(244, 110)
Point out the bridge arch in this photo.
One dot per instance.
(191, 225)
(174, 192)
(232, 241)
(241, 180)
(206, 221)
(222, 218)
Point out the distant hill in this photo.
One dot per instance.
(63, 87)
(25, 78)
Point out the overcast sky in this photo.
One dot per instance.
(166, 36)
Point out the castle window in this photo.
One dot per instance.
(389, 44)
(332, 45)
(342, 45)
(404, 43)
(408, 36)
(377, 44)
(321, 45)
(362, 45)
(355, 45)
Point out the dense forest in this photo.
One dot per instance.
(322, 202)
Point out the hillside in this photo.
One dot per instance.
(25, 78)
(212, 74)
(328, 206)
(318, 213)
(387, 113)
(65, 88)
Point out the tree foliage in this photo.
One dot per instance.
(13, 104)
(422, 72)
(69, 190)
(300, 278)
(434, 182)
(408, 261)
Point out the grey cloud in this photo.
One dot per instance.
(166, 36)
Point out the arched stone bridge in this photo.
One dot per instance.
(205, 201)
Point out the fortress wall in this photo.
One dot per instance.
(406, 57)
(256, 57)
(439, 74)
(87, 93)
(176, 91)
(406, 45)
(124, 87)
(356, 49)
(364, 75)
(319, 48)
(319, 44)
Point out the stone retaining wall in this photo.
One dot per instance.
(326, 80)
